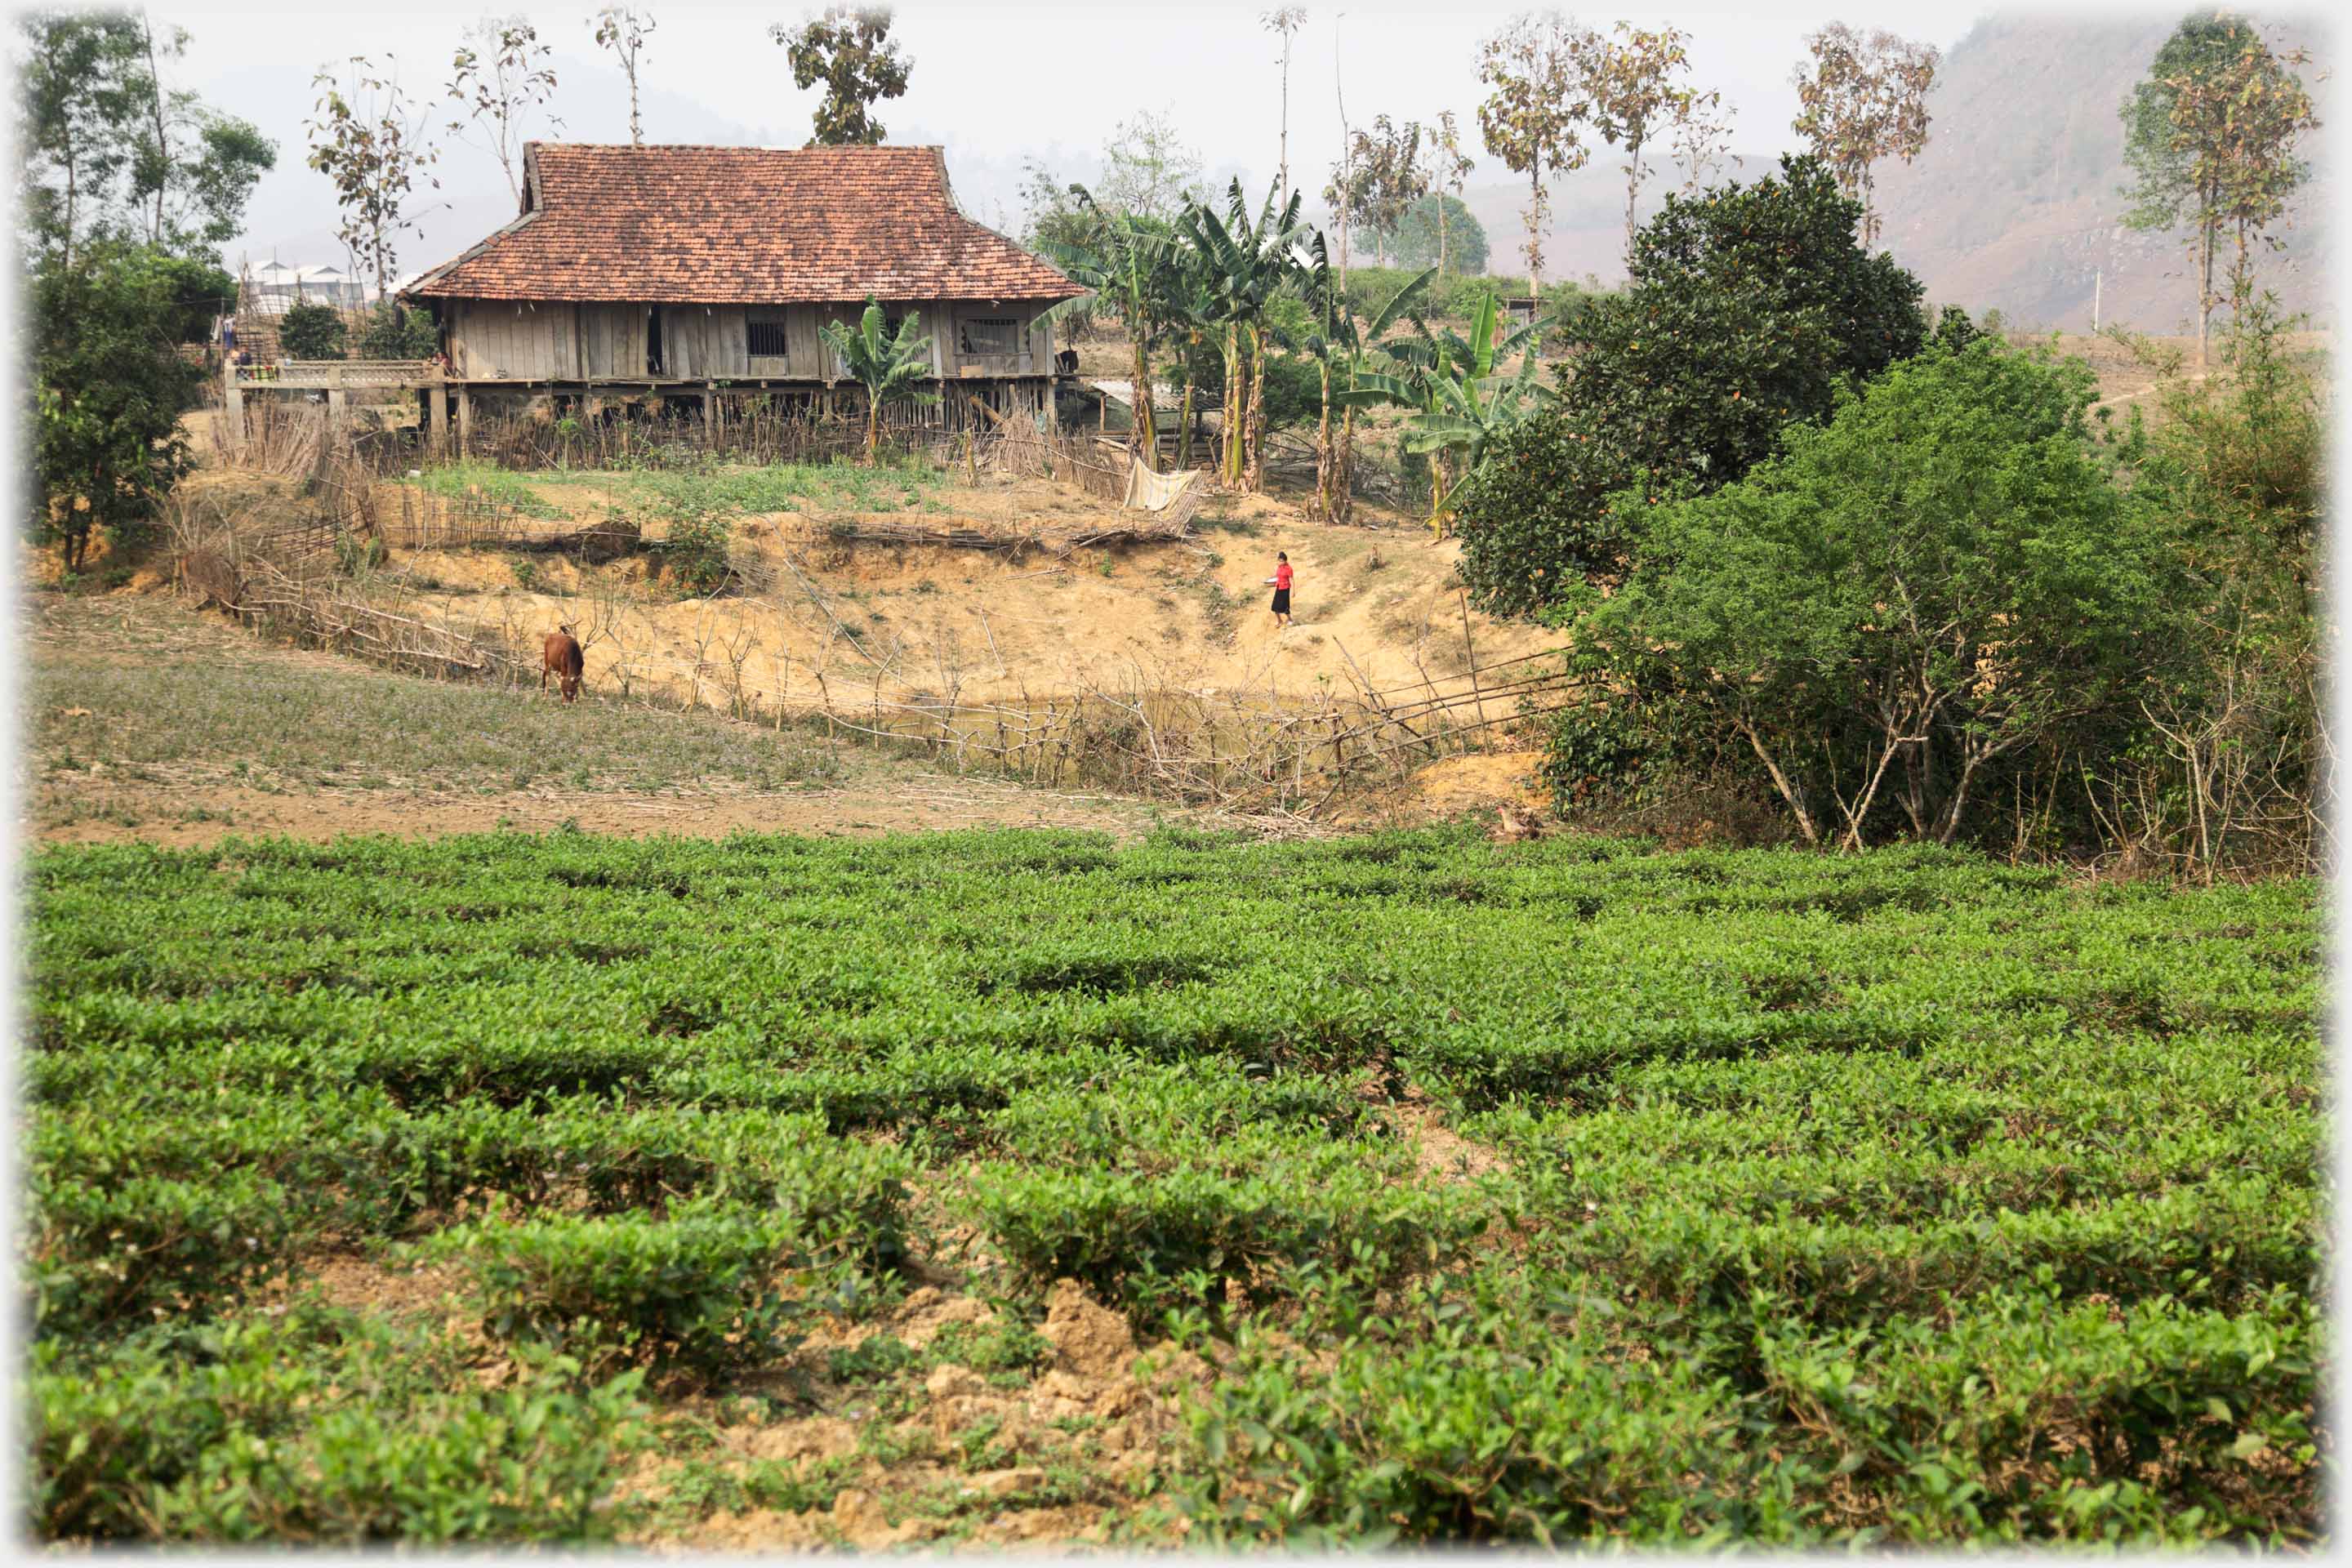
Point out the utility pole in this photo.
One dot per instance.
(2098, 281)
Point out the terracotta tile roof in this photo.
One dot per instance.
(741, 225)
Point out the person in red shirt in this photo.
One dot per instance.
(1281, 581)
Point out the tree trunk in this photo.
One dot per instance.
(1441, 237)
(1343, 495)
(2204, 289)
(873, 429)
(1633, 185)
(1535, 230)
(1184, 424)
(163, 145)
(1143, 439)
(1781, 782)
(1256, 477)
(72, 194)
(1236, 405)
(1323, 450)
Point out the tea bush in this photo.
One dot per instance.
(1793, 1199)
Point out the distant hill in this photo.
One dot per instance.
(2013, 204)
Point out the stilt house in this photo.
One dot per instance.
(703, 272)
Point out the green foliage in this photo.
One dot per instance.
(701, 1291)
(110, 156)
(2163, 193)
(888, 360)
(695, 555)
(398, 331)
(1901, 1196)
(321, 1427)
(850, 50)
(1413, 245)
(1749, 309)
(107, 392)
(1947, 558)
(311, 331)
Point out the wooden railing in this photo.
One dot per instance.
(335, 373)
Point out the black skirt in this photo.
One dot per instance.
(1282, 601)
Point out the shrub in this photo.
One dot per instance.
(701, 1291)
(398, 331)
(1947, 559)
(311, 331)
(1479, 1429)
(108, 1256)
(323, 1428)
(1746, 310)
(1131, 1234)
(695, 555)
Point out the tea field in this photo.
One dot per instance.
(1019, 1186)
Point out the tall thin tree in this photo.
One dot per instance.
(1286, 20)
(624, 30)
(1530, 116)
(501, 73)
(1629, 80)
(1863, 100)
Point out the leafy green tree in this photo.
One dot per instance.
(1439, 231)
(1629, 80)
(1746, 311)
(1250, 262)
(108, 153)
(1149, 171)
(2209, 136)
(850, 50)
(1941, 577)
(398, 331)
(1381, 175)
(108, 394)
(311, 331)
(1052, 213)
(1458, 404)
(889, 365)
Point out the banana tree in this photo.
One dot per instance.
(887, 364)
(1457, 404)
(1244, 263)
(1132, 268)
(1336, 345)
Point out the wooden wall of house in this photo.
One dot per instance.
(517, 339)
(700, 343)
(494, 339)
(611, 340)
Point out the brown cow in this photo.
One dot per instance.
(561, 658)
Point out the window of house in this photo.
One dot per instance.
(991, 335)
(766, 338)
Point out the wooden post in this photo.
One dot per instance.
(436, 413)
(233, 409)
(709, 416)
(465, 419)
(1471, 649)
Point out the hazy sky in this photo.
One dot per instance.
(994, 83)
